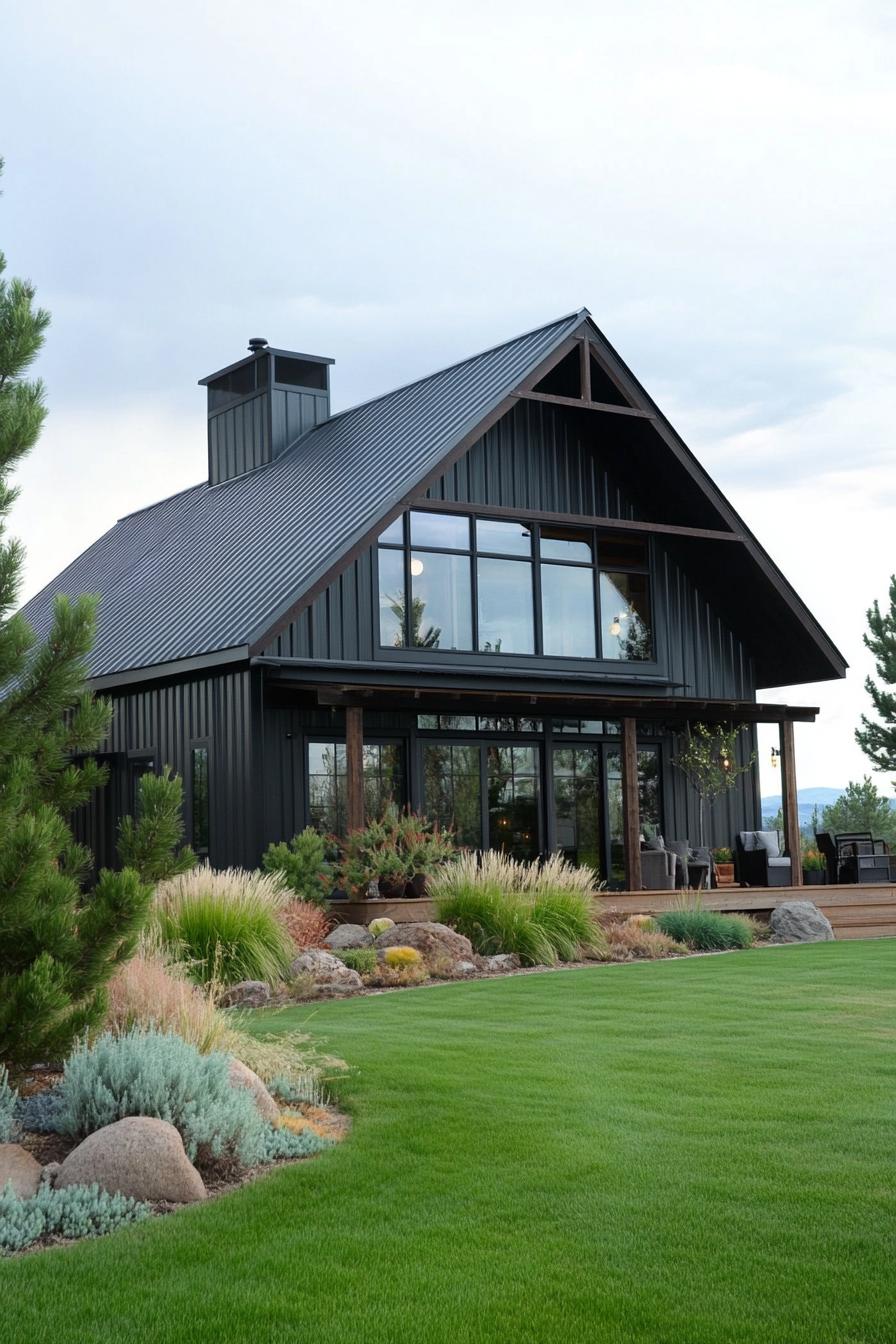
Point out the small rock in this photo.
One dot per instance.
(329, 974)
(463, 969)
(502, 961)
(242, 1076)
(800, 922)
(246, 994)
(50, 1172)
(20, 1168)
(138, 1156)
(348, 935)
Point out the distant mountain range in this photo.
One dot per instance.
(807, 801)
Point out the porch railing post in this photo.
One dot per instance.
(631, 810)
(354, 766)
(792, 840)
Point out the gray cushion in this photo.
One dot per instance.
(655, 842)
(768, 840)
(778, 863)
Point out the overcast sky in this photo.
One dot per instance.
(399, 185)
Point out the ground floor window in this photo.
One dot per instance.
(199, 802)
(488, 792)
(649, 802)
(577, 803)
(327, 793)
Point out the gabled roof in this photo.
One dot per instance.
(218, 568)
(206, 569)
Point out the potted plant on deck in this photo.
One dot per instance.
(724, 866)
(815, 869)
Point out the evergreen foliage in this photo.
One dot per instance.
(303, 864)
(150, 843)
(8, 1102)
(877, 737)
(861, 808)
(58, 942)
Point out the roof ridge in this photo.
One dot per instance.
(468, 359)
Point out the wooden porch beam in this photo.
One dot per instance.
(354, 766)
(582, 404)
(585, 368)
(792, 842)
(631, 810)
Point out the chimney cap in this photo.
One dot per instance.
(257, 344)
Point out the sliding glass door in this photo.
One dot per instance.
(489, 792)
(649, 799)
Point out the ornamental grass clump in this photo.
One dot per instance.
(632, 940)
(707, 930)
(544, 912)
(153, 990)
(225, 926)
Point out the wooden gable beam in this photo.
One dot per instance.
(579, 403)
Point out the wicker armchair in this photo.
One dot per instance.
(758, 861)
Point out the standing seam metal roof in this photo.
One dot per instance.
(205, 569)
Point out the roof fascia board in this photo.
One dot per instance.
(200, 662)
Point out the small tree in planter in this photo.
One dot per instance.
(724, 865)
(814, 867)
(708, 760)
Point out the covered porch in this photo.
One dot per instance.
(621, 730)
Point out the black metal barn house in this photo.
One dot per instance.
(496, 594)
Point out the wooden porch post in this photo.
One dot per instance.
(631, 810)
(789, 803)
(354, 766)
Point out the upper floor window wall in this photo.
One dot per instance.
(450, 581)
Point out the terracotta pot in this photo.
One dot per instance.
(725, 874)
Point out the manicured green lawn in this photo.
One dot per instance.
(687, 1151)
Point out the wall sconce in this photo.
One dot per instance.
(775, 754)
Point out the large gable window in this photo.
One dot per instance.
(462, 583)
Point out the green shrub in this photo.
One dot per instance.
(159, 1074)
(706, 930)
(282, 1143)
(76, 1211)
(360, 959)
(302, 864)
(39, 1113)
(8, 1100)
(225, 926)
(378, 926)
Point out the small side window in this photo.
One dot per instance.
(199, 799)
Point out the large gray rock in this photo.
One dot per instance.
(329, 974)
(800, 922)
(348, 935)
(246, 994)
(19, 1168)
(440, 947)
(242, 1076)
(138, 1156)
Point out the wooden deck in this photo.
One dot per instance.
(854, 911)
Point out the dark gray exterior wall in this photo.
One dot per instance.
(166, 720)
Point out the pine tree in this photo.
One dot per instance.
(861, 808)
(59, 943)
(878, 738)
(151, 842)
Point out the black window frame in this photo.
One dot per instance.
(322, 737)
(598, 535)
(201, 744)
